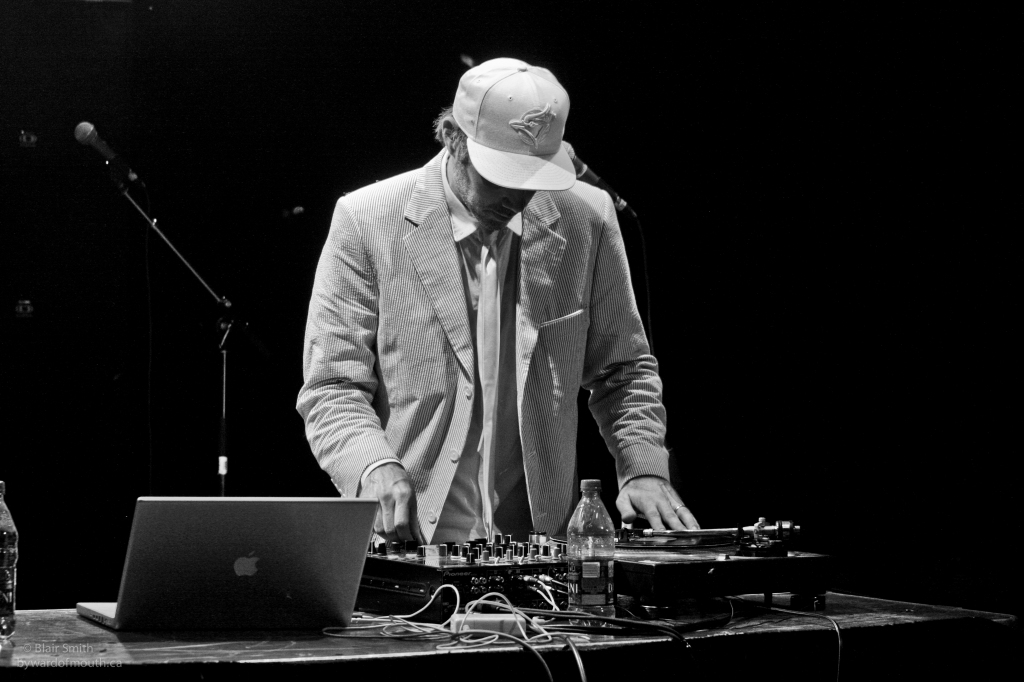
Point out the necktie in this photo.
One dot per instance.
(488, 341)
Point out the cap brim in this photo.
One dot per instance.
(523, 171)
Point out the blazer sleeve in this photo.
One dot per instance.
(340, 371)
(619, 370)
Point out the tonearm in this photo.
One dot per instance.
(759, 539)
(781, 530)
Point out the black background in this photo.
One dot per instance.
(829, 256)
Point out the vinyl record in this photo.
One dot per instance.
(666, 543)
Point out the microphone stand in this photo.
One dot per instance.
(121, 175)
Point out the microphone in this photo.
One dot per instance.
(588, 176)
(85, 133)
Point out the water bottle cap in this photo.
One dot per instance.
(589, 484)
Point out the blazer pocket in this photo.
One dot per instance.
(567, 324)
(561, 342)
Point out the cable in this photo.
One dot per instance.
(545, 597)
(335, 631)
(492, 636)
(149, 351)
(547, 632)
(399, 627)
(647, 278)
(548, 579)
(623, 623)
(839, 635)
(506, 602)
(675, 632)
(543, 637)
(523, 642)
(547, 594)
(683, 626)
(579, 659)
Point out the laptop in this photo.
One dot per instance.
(252, 563)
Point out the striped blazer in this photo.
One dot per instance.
(389, 363)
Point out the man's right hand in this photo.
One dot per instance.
(396, 518)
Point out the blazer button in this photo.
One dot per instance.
(432, 517)
(455, 455)
(469, 392)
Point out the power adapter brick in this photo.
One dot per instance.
(497, 622)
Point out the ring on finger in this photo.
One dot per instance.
(678, 506)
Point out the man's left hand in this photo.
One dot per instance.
(653, 497)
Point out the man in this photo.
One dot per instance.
(457, 310)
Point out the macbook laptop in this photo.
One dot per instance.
(254, 563)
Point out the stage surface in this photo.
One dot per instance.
(881, 639)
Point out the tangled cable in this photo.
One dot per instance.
(458, 637)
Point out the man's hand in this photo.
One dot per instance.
(396, 518)
(653, 497)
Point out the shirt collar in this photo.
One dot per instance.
(462, 222)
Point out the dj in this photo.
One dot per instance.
(458, 308)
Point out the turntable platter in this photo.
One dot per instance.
(684, 545)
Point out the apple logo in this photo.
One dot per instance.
(246, 565)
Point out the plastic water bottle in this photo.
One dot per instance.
(592, 554)
(8, 575)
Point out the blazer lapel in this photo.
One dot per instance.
(540, 257)
(431, 248)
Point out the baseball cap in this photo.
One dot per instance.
(514, 115)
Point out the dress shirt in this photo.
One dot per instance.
(488, 494)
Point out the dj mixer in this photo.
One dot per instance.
(655, 567)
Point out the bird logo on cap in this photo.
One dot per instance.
(534, 124)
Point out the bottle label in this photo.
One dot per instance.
(591, 582)
(7, 585)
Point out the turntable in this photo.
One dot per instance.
(662, 567)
